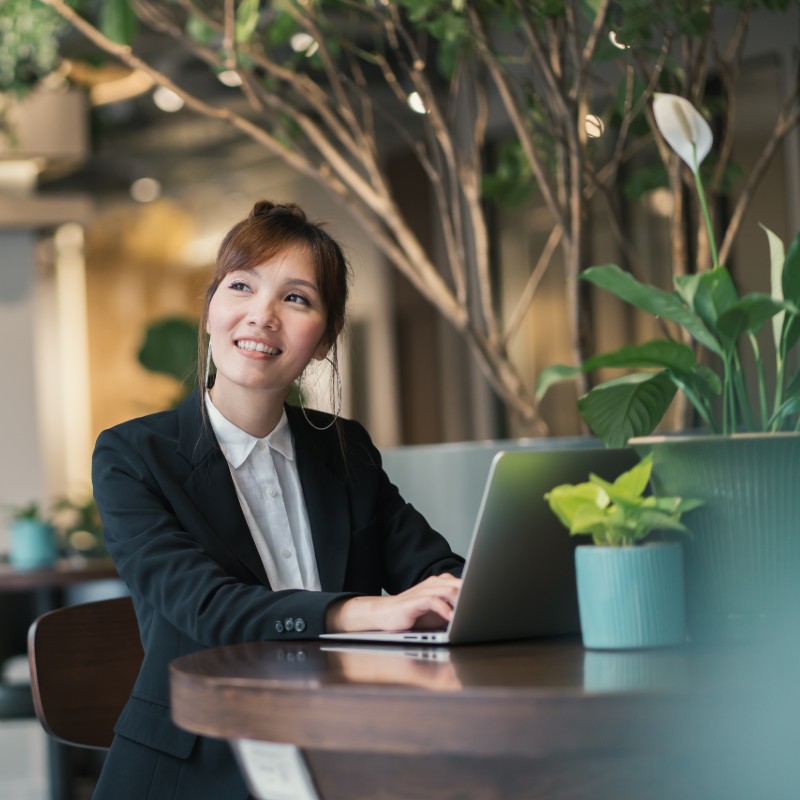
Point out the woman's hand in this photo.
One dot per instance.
(429, 604)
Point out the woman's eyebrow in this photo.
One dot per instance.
(302, 282)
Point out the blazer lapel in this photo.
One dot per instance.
(326, 499)
(211, 488)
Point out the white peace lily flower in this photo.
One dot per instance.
(684, 128)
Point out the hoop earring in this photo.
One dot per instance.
(338, 408)
(209, 382)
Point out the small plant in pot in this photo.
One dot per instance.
(33, 538)
(630, 593)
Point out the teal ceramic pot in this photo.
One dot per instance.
(631, 597)
(33, 544)
(743, 558)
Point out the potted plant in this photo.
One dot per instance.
(33, 538)
(81, 529)
(743, 563)
(630, 595)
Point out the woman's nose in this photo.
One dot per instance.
(265, 315)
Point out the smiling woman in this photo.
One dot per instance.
(237, 518)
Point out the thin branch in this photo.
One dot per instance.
(532, 284)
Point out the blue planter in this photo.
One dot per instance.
(631, 597)
(33, 544)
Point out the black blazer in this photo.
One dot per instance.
(177, 534)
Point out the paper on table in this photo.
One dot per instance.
(275, 771)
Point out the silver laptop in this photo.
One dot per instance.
(519, 579)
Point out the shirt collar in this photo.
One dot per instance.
(237, 444)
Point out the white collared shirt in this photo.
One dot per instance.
(267, 483)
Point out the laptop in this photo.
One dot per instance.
(519, 577)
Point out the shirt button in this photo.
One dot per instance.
(299, 625)
(273, 492)
(286, 552)
(288, 623)
(261, 445)
(278, 627)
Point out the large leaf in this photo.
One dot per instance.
(791, 291)
(653, 300)
(776, 257)
(790, 277)
(714, 295)
(748, 315)
(655, 354)
(629, 406)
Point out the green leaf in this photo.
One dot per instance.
(715, 294)
(118, 21)
(633, 482)
(554, 374)
(629, 406)
(653, 300)
(247, 15)
(198, 31)
(655, 354)
(790, 278)
(567, 499)
(748, 315)
(170, 347)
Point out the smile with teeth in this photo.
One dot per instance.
(259, 347)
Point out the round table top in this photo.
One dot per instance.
(523, 699)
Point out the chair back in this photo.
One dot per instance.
(84, 660)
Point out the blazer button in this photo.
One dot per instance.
(288, 623)
(299, 625)
(278, 627)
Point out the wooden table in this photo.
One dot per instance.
(519, 720)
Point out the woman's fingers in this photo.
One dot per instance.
(428, 604)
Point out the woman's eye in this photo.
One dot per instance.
(239, 286)
(297, 298)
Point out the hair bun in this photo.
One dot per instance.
(266, 208)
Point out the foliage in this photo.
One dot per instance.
(708, 308)
(327, 84)
(618, 513)
(170, 347)
(29, 511)
(80, 525)
(28, 44)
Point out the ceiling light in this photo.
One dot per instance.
(145, 190)
(415, 103)
(229, 77)
(594, 126)
(167, 100)
(612, 37)
(304, 43)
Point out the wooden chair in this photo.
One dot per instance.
(84, 660)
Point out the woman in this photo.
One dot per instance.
(235, 518)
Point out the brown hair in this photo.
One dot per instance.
(271, 229)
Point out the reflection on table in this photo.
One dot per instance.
(517, 720)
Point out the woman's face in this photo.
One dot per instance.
(265, 325)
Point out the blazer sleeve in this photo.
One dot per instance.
(174, 569)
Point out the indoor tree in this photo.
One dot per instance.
(511, 95)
